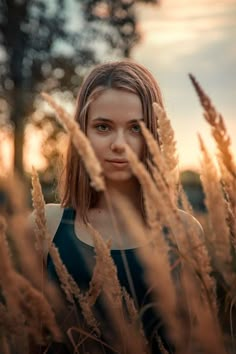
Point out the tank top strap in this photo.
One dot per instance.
(68, 214)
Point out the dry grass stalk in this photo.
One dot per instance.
(229, 185)
(4, 345)
(183, 234)
(202, 262)
(96, 283)
(39, 311)
(99, 276)
(205, 330)
(225, 157)
(159, 201)
(154, 149)
(168, 145)
(81, 143)
(111, 284)
(150, 192)
(219, 131)
(155, 259)
(22, 300)
(158, 276)
(128, 333)
(186, 205)
(159, 168)
(7, 323)
(67, 283)
(231, 222)
(214, 199)
(118, 233)
(41, 234)
(229, 188)
(134, 315)
(75, 331)
(131, 309)
(166, 199)
(161, 346)
(195, 260)
(27, 259)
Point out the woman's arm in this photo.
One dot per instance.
(192, 223)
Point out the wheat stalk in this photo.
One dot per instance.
(154, 257)
(201, 258)
(229, 188)
(186, 205)
(21, 298)
(218, 127)
(41, 234)
(184, 236)
(114, 296)
(158, 199)
(205, 329)
(4, 345)
(217, 214)
(224, 156)
(81, 143)
(168, 145)
(67, 283)
(112, 284)
(159, 168)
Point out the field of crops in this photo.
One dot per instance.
(194, 291)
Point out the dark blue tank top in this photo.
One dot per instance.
(79, 259)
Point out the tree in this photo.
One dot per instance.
(40, 49)
(118, 14)
(28, 31)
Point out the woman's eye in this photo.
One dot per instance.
(102, 127)
(136, 128)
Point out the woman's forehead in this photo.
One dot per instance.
(114, 102)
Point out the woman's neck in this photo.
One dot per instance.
(115, 193)
(114, 214)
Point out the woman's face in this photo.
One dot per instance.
(112, 122)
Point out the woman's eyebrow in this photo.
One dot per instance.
(103, 119)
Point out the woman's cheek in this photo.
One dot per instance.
(137, 144)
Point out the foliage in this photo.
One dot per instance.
(47, 45)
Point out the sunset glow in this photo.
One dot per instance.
(32, 155)
(33, 144)
(181, 37)
(6, 152)
(178, 37)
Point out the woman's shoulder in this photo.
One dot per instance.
(53, 215)
(191, 222)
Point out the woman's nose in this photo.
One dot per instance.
(118, 144)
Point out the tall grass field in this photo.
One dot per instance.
(192, 272)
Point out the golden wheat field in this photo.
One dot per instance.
(195, 294)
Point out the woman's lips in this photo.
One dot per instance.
(118, 164)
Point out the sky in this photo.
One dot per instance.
(181, 37)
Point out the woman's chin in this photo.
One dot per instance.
(119, 176)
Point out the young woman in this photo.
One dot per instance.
(112, 100)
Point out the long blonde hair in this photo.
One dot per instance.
(123, 75)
